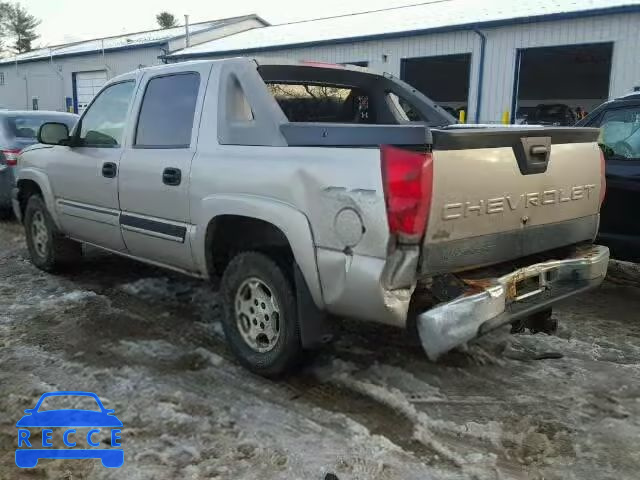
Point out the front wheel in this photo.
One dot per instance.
(260, 317)
(48, 249)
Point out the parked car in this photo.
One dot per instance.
(523, 114)
(553, 114)
(450, 110)
(448, 230)
(17, 131)
(619, 123)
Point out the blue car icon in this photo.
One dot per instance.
(69, 418)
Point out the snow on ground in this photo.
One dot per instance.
(369, 407)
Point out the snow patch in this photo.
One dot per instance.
(75, 296)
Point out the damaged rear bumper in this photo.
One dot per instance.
(500, 300)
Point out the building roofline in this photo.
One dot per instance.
(408, 33)
(153, 43)
(5, 62)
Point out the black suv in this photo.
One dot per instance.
(619, 123)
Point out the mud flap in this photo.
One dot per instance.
(316, 328)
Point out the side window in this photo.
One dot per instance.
(405, 110)
(620, 133)
(167, 111)
(103, 123)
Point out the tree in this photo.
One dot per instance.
(4, 7)
(166, 20)
(21, 26)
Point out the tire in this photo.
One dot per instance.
(49, 250)
(253, 287)
(6, 214)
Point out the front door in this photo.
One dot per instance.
(84, 176)
(156, 166)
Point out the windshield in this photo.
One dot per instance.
(340, 95)
(73, 402)
(620, 133)
(322, 103)
(551, 110)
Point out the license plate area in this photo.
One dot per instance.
(532, 285)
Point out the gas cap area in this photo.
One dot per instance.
(349, 227)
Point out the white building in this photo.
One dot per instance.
(488, 57)
(66, 77)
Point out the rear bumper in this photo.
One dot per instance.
(15, 203)
(465, 318)
(6, 184)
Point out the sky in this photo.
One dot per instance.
(65, 21)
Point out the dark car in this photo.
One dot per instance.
(619, 123)
(17, 131)
(557, 114)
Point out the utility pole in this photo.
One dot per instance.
(187, 40)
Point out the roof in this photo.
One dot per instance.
(35, 113)
(126, 41)
(432, 16)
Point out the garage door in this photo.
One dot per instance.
(88, 84)
(559, 85)
(444, 79)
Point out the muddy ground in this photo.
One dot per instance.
(371, 406)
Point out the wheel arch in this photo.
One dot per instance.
(32, 181)
(280, 217)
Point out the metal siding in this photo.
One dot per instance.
(501, 52)
(502, 45)
(52, 82)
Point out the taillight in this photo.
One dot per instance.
(408, 187)
(11, 157)
(603, 177)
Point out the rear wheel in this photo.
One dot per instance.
(48, 249)
(6, 213)
(260, 317)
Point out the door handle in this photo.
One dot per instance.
(109, 170)
(171, 176)
(539, 150)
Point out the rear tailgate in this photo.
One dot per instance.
(504, 193)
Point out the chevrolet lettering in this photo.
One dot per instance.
(453, 211)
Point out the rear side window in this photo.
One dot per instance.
(167, 112)
(303, 102)
(27, 127)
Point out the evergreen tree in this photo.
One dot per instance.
(166, 20)
(21, 26)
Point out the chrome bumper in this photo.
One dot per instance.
(498, 303)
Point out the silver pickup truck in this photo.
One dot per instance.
(315, 192)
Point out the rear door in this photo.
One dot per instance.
(620, 133)
(156, 166)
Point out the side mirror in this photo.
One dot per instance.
(53, 133)
(29, 410)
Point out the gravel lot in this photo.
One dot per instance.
(369, 407)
